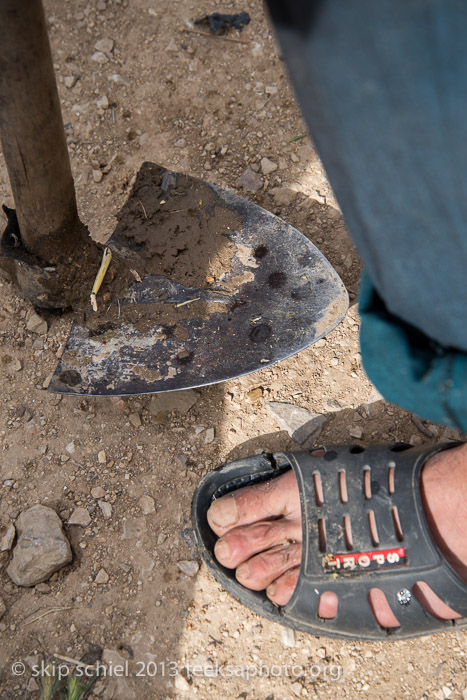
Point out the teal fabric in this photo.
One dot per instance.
(407, 367)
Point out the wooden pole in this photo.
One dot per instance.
(32, 135)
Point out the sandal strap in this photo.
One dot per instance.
(363, 528)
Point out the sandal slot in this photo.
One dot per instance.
(397, 523)
(385, 616)
(373, 527)
(328, 605)
(343, 486)
(322, 535)
(391, 477)
(367, 482)
(348, 532)
(433, 603)
(318, 485)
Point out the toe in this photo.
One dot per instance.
(242, 543)
(281, 590)
(327, 606)
(381, 608)
(261, 570)
(433, 603)
(269, 499)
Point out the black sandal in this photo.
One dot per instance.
(363, 528)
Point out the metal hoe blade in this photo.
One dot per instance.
(277, 296)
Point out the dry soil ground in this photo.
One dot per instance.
(209, 107)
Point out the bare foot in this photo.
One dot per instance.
(260, 533)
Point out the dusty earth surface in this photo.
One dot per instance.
(212, 108)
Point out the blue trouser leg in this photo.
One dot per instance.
(383, 86)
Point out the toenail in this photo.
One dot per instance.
(271, 590)
(224, 512)
(244, 571)
(222, 550)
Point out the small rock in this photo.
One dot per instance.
(356, 432)
(190, 568)
(43, 588)
(97, 492)
(250, 180)
(288, 637)
(181, 143)
(32, 685)
(70, 448)
(267, 166)
(105, 45)
(103, 102)
(464, 694)
(106, 509)
(302, 425)
(283, 195)
(72, 68)
(2, 608)
(36, 324)
(209, 436)
(147, 505)
(415, 440)
(7, 540)
(133, 528)
(171, 46)
(161, 538)
(142, 139)
(439, 694)
(181, 684)
(32, 660)
(102, 577)
(255, 394)
(135, 420)
(321, 652)
(180, 401)
(101, 458)
(70, 81)
(297, 688)
(99, 57)
(42, 547)
(97, 175)
(80, 516)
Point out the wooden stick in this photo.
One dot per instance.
(75, 662)
(188, 301)
(106, 258)
(31, 131)
(47, 612)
